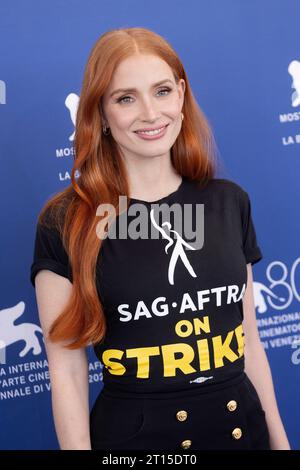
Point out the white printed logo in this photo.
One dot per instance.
(199, 380)
(11, 333)
(178, 250)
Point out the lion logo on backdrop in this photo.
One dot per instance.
(11, 333)
(2, 92)
(294, 71)
(71, 103)
(261, 292)
(282, 278)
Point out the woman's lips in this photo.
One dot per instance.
(152, 135)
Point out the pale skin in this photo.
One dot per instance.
(68, 368)
(258, 370)
(151, 176)
(150, 172)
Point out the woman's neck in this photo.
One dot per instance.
(152, 178)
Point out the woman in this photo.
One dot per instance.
(167, 317)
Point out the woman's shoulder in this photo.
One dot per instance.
(52, 214)
(219, 186)
(224, 190)
(225, 184)
(229, 192)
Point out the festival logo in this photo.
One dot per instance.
(71, 103)
(294, 71)
(11, 333)
(278, 324)
(2, 92)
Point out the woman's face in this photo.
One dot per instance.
(144, 104)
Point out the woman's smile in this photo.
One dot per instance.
(153, 134)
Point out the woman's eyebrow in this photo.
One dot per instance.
(130, 90)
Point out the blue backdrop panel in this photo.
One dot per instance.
(243, 60)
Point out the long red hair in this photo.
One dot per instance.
(102, 175)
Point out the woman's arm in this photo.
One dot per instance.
(258, 370)
(68, 369)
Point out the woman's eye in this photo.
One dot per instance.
(121, 100)
(165, 91)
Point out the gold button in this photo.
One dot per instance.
(186, 444)
(181, 415)
(232, 405)
(236, 433)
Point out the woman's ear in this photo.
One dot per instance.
(182, 86)
(181, 89)
(102, 114)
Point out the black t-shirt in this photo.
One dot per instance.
(173, 308)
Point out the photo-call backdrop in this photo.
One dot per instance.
(243, 62)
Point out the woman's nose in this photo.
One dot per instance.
(149, 111)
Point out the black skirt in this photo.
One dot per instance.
(224, 416)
